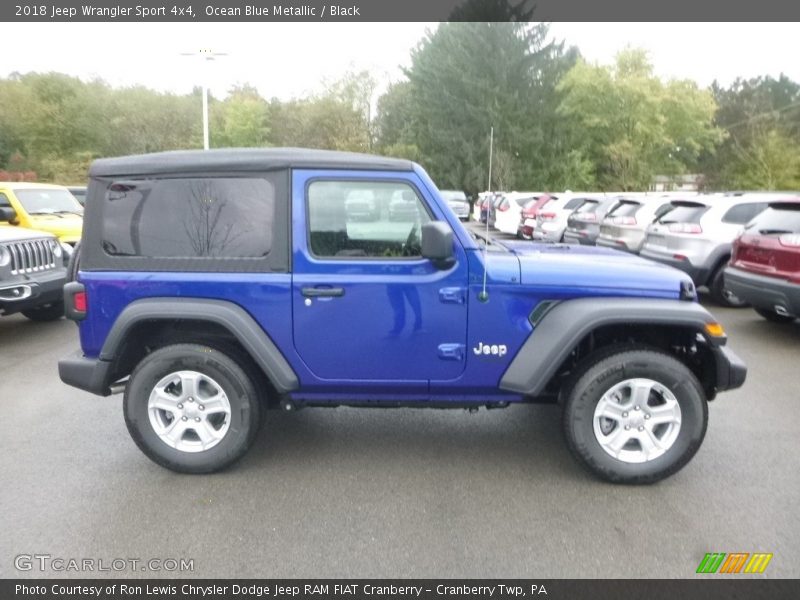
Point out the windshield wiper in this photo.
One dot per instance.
(46, 212)
(773, 231)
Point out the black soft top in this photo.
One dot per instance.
(242, 159)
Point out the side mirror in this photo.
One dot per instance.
(8, 214)
(437, 244)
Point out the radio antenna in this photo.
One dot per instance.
(484, 295)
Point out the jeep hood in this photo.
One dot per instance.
(600, 269)
(65, 227)
(12, 233)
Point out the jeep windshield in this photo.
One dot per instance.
(48, 202)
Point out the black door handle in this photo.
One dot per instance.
(316, 292)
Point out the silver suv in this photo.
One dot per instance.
(625, 225)
(551, 220)
(696, 236)
(457, 200)
(583, 225)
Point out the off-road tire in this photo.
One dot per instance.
(601, 372)
(233, 379)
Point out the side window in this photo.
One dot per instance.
(189, 218)
(743, 213)
(4, 202)
(366, 219)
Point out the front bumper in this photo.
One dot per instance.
(762, 291)
(26, 293)
(731, 370)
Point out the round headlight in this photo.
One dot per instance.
(5, 256)
(55, 247)
(67, 250)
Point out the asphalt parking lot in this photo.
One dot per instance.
(395, 493)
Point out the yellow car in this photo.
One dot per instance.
(41, 206)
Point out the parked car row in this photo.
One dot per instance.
(696, 233)
(39, 227)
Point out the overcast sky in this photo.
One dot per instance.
(291, 59)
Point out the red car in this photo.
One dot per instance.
(527, 217)
(765, 265)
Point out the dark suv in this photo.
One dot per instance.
(214, 285)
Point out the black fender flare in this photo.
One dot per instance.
(568, 322)
(231, 316)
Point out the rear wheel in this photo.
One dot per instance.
(771, 315)
(191, 408)
(720, 294)
(634, 416)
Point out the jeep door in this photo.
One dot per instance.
(367, 307)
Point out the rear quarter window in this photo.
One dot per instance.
(189, 218)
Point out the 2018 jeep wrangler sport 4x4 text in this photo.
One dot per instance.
(214, 285)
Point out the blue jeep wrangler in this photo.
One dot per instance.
(215, 285)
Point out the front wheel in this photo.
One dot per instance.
(191, 408)
(635, 416)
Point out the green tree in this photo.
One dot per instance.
(770, 161)
(631, 125)
(241, 120)
(464, 79)
(336, 119)
(760, 115)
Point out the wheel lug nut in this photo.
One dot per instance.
(647, 416)
(184, 418)
(201, 407)
(624, 415)
(197, 419)
(641, 428)
(192, 400)
(635, 408)
(627, 427)
(180, 405)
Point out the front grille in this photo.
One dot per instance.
(31, 256)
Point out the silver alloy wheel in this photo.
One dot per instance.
(637, 420)
(189, 411)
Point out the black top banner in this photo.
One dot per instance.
(148, 11)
